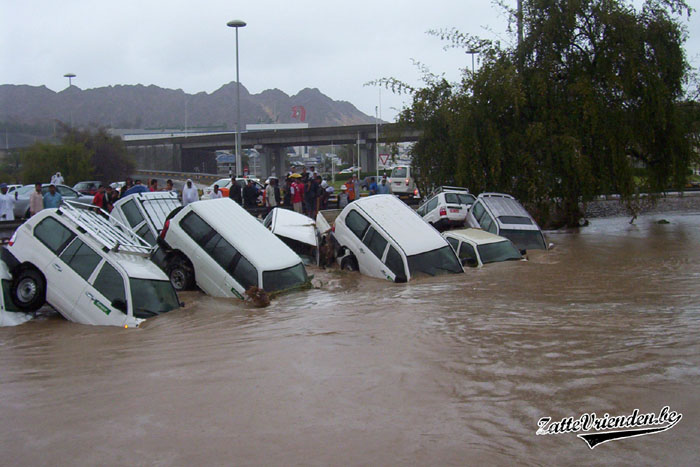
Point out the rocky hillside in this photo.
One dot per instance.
(153, 107)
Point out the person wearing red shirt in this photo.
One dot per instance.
(297, 194)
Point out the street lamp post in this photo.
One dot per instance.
(236, 23)
(70, 77)
(472, 52)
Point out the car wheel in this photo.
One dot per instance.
(349, 264)
(181, 274)
(28, 290)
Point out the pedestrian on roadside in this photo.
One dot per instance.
(111, 197)
(250, 195)
(297, 191)
(350, 189)
(373, 186)
(154, 185)
(53, 198)
(358, 187)
(270, 198)
(343, 197)
(57, 179)
(216, 194)
(189, 193)
(234, 192)
(383, 188)
(36, 200)
(7, 204)
(100, 198)
(169, 185)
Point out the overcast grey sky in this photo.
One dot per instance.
(335, 46)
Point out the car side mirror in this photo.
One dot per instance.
(523, 252)
(119, 304)
(550, 246)
(471, 262)
(182, 304)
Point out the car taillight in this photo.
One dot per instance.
(12, 239)
(165, 229)
(407, 182)
(443, 211)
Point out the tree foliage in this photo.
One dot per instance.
(82, 155)
(594, 90)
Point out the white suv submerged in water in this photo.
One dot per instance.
(446, 207)
(88, 269)
(220, 247)
(382, 237)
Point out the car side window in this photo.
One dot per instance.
(395, 263)
(66, 192)
(221, 251)
(110, 283)
(478, 211)
(245, 273)
(375, 242)
(487, 223)
(466, 252)
(81, 258)
(53, 234)
(132, 213)
(421, 210)
(356, 223)
(432, 204)
(453, 243)
(195, 227)
(145, 233)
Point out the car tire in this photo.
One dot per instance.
(349, 264)
(181, 274)
(28, 289)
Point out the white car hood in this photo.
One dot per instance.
(293, 225)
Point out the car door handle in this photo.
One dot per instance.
(361, 250)
(89, 295)
(57, 267)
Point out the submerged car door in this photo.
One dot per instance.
(74, 267)
(373, 261)
(105, 299)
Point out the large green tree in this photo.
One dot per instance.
(82, 155)
(589, 97)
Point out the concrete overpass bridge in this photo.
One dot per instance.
(184, 153)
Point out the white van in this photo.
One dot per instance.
(221, 248)
(88, 269)
(382, 237)
(402, 181)
(146, 212)
(503, 215)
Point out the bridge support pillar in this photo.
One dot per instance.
(368, 158)
(272, 162)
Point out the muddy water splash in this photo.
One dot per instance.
(446, 370)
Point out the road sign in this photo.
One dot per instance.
(383, 158)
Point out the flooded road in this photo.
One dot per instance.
(449, 370)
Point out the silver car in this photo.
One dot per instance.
(21, 209)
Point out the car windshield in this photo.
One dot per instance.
(440, 261)
(466, 198)
(524, 239)
(25, 190)
(499, 251)
(152, 297)
(284, 278)
(398, 172)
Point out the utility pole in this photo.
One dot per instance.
(519, 20)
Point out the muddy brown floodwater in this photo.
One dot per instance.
(446, 370)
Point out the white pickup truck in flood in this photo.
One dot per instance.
(382, 237)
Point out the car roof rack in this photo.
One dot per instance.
(114, 237)
(442, 188)
(157, 205)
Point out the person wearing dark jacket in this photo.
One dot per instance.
(235, 191)
(250, 195)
